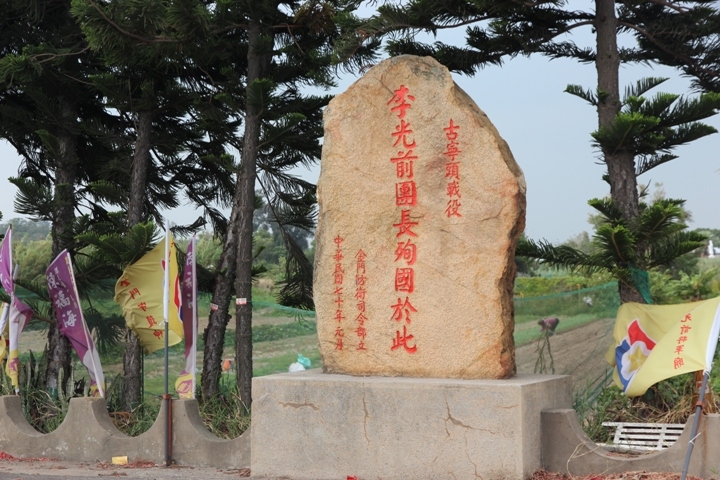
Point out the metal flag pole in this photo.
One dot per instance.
(9, 306)
(696, 421)
(167, 399)
(194, 315)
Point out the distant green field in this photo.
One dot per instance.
(277, 343)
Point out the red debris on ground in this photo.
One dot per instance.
(8, 457)
(543, 475)
(140, 464)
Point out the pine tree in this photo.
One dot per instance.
(625, 250)
(52, 118)
(159, 93)
(286, 45)
(256, 56)
(689, 42)
(635, 134)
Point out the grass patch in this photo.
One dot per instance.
(527, 331)
(225, 415)
(139, 420)
(280, 363)
(268, 333)
(669, 401)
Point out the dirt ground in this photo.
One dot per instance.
(46, 469)
(579, 352)
(49, 469)
(542, 475)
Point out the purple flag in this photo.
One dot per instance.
(189, 294)
(185, 384)
(6, 278)
(65, 299)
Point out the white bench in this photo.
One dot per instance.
(642, 437)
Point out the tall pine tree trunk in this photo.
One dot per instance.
(235, 264)
(61, 232)
(132, 358)
(246, 181)
(219, 317)
(620, 163)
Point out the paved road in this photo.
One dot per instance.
(55, 470)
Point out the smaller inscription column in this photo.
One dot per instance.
(338, 278)
(452, 170)
(360, 294)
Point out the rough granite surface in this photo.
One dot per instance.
(420, 207)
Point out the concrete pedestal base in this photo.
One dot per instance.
(310, 425)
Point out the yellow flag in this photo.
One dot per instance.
(184, 385)
(655, 342)
(139, 292)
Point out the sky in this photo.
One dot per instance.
(548, 132)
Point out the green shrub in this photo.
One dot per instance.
(669, 401)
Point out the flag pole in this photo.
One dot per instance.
(709, 356)
(6, 311)
(166, 395)
(195, 315)
(85, 328)
(166, 300)
(696, 421)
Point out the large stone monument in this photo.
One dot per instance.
(421, 205)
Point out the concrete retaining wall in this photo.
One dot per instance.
(88, 434)
(567, 449)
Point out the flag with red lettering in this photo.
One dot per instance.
(655, 342)
(71, 321)
(185, 384)
(140, 294)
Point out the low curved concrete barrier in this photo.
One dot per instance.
(567, 449)
(88, 434)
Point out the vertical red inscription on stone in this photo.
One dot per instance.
(360, 293)
(406, 251)
(338, 279)
(406, 197)
(452, 170)
(402, 310)
(403, 340)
